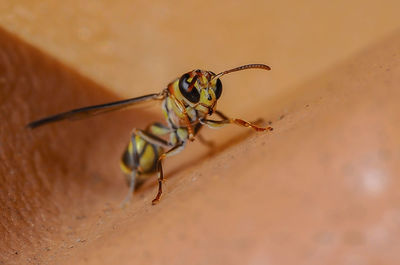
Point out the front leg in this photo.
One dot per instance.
(225, 120)
(188, 124)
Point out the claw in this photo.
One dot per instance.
(155, 201)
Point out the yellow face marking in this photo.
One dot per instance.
(207, 97)
(203, 81)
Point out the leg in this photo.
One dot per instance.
(132, 181)
(158, 129)
(256, 122)
(151, 138)
(225, 120)
(182, 108)
(129, 164)
(251, 125)
(174, 150)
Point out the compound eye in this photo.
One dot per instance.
(193, 95)
(218, 88)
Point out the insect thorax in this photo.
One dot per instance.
(176, 118)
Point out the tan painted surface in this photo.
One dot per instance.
(321, 189)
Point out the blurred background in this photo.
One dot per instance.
(322, 55)
(134, 47)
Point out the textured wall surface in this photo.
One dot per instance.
(320, 189)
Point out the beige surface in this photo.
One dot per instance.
(322, 188)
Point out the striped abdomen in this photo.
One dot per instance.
(140, 156)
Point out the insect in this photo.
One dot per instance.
(187, 103)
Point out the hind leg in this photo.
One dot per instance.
(132, 180)
(137, 159)
(129, 164)
(174, 150)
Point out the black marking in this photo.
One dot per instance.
(155, 138)
(156, 156)
(197, 128)
(159, 125)
(127, 159)
(143, 149)
(177, 136)
(218, 88)
(135, 157)
(188, 90)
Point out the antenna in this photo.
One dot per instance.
(243, 67)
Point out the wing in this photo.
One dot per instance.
(94, 110)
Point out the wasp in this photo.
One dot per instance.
(187, 103)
